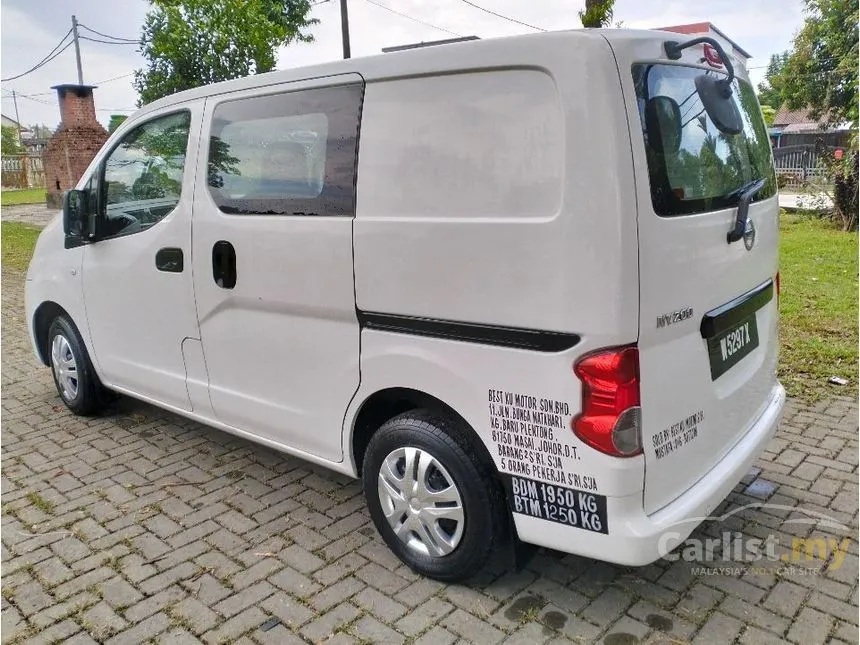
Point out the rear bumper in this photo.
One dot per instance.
(636, 538)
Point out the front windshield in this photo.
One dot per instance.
(708, 165)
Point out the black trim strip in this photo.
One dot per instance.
(725, 316)
(542, 341)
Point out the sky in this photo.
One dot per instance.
(29, 29)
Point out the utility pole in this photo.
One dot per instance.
(77, 50)
(344, 28)
(25, 160)
(17, 118)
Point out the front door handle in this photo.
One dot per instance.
(224, 264)
(169, 259)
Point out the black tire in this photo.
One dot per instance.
(485, 519)
(89, 396)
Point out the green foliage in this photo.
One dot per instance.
(189, 43)
(40, 131)
(597, 14)
(9, 143)
(769, 114)
(116, 120)
(769, 90)
(820, 73)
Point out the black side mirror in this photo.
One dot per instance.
(719, 105)
(663, 120)
(715, 93)
(75, 214)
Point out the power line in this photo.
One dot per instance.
(113, 78)
(47, 59)
(427, 24)
(50, 92)
(107, 42)
(30, 98)
(499, 15)
(98, 33)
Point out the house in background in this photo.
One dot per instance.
(796, 128)
(8, 121)
(20, 132)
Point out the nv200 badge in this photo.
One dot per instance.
(664, 320)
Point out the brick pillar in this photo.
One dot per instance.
(75, 143)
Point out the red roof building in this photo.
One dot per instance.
(708, 29)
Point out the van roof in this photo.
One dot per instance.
(407, 63)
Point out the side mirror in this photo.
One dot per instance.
(716, 96)
(75, 214)
(663, 120)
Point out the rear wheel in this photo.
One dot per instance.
(74, 376)
(435, 502)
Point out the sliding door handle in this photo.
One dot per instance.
(224, 264)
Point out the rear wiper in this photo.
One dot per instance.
(744, 195)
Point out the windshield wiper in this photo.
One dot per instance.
(744, 196)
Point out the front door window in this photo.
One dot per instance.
(143, 175)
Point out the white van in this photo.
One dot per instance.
(524, 287)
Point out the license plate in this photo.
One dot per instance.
(725, 350)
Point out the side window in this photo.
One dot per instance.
(143, 175)
(286, 154)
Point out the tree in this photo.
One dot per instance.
(820, 75)
(10, 144)
(768, 113)
(116, 120)
(40, 131)
(189, 43)
(598, 13)
(769, 92)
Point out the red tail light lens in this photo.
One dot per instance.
(610, 420)
(777, 288)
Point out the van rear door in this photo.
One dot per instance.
(708, 312)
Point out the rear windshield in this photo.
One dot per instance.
(708, 165)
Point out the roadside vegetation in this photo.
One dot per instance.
(25, 196)
(818, 307)
(18, 242)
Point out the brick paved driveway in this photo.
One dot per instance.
(144, 527)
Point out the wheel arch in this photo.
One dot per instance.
(43, 316)
(387, 403)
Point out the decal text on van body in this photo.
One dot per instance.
(677, 435)
(531, 439)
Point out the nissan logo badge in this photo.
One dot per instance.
(749, 234)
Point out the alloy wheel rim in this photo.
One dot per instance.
(65, 367)
(421, 502)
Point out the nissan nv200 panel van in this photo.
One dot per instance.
(523, 287)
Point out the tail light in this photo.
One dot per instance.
(611, 417)
(777, 288)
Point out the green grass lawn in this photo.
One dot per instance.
(818, 307)
(818, 301)
(18, 242)
(25, 196)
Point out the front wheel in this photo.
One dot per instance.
(74, 376)
(435, 502)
